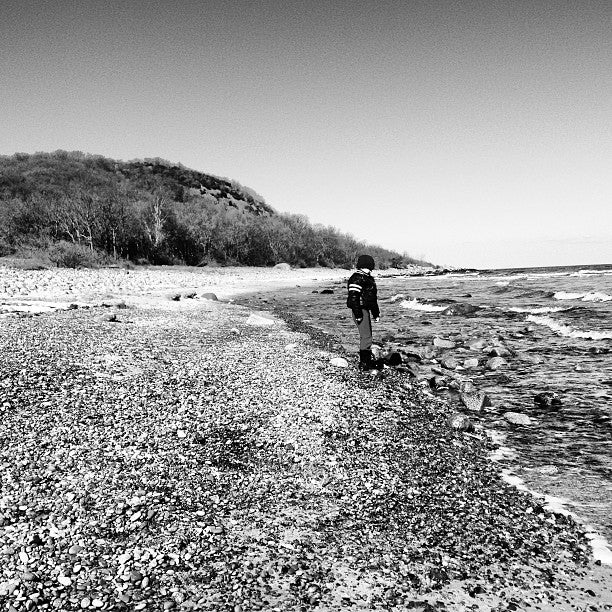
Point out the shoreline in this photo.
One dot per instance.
(290, 345)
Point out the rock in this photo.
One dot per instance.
(499, 351)
(460, 422)
(437, 382)
(175, 297)
(110, 318)
(442, 343)
(547, 400)
(409, 368)
(64, 580)
(477, 345)
(327, 291)
(495, 363)
(235, 331)
(475, 401)
(282, 266)
(470, 363)
(189, 295)
(290, 348)
(339, 362)
(516, 418)
(461, 309)
(450, 363)
(393, 358)
(209, 296)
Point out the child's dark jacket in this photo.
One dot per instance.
(362, 293)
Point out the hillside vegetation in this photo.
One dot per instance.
(78, 207)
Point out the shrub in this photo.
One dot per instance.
(70, 255)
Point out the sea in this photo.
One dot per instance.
(553, 328)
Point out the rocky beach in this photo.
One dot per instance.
(163, 448)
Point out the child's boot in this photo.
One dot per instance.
(365, 360)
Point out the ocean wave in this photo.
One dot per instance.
(414, 304)
(541, 310)
(588, 271)
(570, 332)
(592, 296)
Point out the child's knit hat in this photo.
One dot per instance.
(365, 261)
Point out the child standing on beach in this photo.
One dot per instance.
(363, 301)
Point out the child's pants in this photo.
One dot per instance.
(365, 331)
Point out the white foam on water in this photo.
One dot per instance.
(564, 295)
(414, 304)
(597, 296)
(541, 310)
(570, 332)
(592, 296)
(588, 271)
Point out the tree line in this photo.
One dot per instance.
(76, 206)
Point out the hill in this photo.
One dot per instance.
(78, 207)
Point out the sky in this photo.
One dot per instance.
(470, 134)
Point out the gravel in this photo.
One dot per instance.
(179, 458)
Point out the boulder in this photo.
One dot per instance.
(339, 362)
(461, 309)
(450, 363)
(110, 318)
(189, 295)
(516, 418)
(209, 296)
(470, 363)
(460, 422)
(282, 266)
(442, 343)
(475, 401)
(547, 400)
(327, 291)
(495, 363)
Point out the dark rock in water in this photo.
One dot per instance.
(110, 318)
(475, 401)
(315, 291)
(209, 296)
(460, 422)
(547, 399)
(175, 297)
(461, 309)
(411, 356)
(599, 350)
(393, 359)
(437, 382)
(327, 291)
(426, 323)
